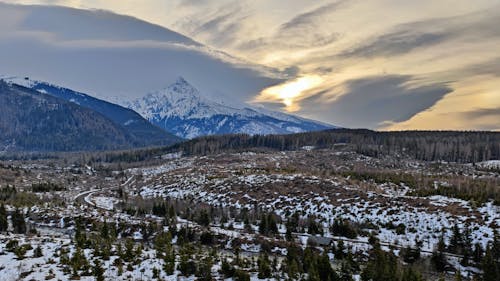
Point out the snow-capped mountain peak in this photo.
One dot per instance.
(181, 109)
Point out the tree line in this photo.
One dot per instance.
(449, 146)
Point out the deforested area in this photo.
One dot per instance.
(311, 213)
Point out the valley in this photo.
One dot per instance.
(241, 214)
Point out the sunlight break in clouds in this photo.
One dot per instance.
(290, 92)
(446, 46)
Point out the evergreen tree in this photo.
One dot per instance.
(186, 266)
(80, 236)
(411, 275)
(491, 270)
(105, 231)
(204, 270)
(456, 240)
(346, 272)
(382, 266)
(204, 218)
(240, 275)
(169, 260)
(263, 227)
(288, 234)
(18, 222)
(98, 271)
(325, 270)
(477, 254)
(79, 262)
(466, 247)
(438, 258)
(264, 267)
(37, 253)
(4, 224)
(226, 269)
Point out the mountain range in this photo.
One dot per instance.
(159, 118)
(34, 121)
(141, 129)
(181, 109)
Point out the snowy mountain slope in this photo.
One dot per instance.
(182, 110)
(131, 121)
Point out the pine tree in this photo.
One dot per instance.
(325, 270)
(105, 231)
(37, 253)
(264, 267)
(18, 222)
(98, 271)
(382, 266)
(263, 228)
(466, 247)
(79, 261)
(204, 218)
(346, 272)
(477, 254)
(80, 236)
(411, 275)
(4, 224)
(226, 269)
(204, 271)
(456, 240)
(271, 224)
(288, 234)
(438, 258)
(491, 270)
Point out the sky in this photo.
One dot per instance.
(379, 64)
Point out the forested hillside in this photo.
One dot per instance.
(453, 146)
(32, 121)
(450, 146)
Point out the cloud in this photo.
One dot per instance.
(484, 112)
(308, 29)
(411, 36)
(428, 47)
(396, 43)
(371, 102)
(110, 62)
(310, 19)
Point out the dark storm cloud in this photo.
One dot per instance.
(369, 102)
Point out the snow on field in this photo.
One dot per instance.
(105, 202)
(48, 266)
(491, 164)
(151, 171)
(392, 207)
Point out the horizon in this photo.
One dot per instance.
(400, 72)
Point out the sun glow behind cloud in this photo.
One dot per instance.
(289, 93)
(328, 48)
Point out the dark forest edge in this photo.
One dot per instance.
(448, 146)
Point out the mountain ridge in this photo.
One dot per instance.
(34, 121)
(144, 132)
(181, 109)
